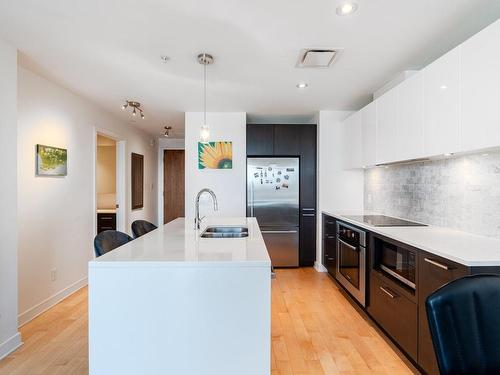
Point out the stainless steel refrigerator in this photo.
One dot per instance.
(273, 198)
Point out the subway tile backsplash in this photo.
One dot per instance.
(459, 192)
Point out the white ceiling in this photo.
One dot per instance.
(109, 51)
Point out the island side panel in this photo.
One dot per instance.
(179, 320)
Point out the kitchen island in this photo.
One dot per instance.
(171, 302)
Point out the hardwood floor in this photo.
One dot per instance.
(315, 330)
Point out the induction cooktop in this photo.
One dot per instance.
(384, 221)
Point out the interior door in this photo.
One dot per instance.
(173, 185)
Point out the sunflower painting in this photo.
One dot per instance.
(215, 155)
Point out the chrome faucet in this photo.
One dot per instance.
(197, 219)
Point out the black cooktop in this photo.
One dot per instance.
(384, 221)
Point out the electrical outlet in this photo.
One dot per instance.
(53, 275)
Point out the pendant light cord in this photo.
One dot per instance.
(205, 94)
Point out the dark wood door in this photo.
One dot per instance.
(287, 140)
(306, 137)
(260, 140)
(434, 272)
(173, 185)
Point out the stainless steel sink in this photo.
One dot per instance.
(225, 231)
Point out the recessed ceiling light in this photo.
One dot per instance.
(164, 58)
(301, 85)
(443, 87)
(347, 8)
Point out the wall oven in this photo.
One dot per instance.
(351, 260)
(398, 263)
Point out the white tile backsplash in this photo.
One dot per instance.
(459, 192)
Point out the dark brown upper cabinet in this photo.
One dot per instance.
(287, 140)
(260, 140)
(137, 173)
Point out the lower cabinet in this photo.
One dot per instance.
(329, 245)
(395, 313)
(106, 222)
(307, 254)
(434, 273)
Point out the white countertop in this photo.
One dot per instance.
(178, 244)
(464, 248)
(106, 210)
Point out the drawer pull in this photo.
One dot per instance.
(330, 259)
(330, 236)
(308, 214)
(390, 294)
(330, 222)
(437, 264)
(106, 218)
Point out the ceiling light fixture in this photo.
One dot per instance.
(448, 154)
(164, 58)
(167, 131)
(301, 85)
(136, 107)
(205, 59)
(347, 8)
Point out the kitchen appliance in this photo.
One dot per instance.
(398, 263)
(351, 260)
(384, 221)
(273, 198)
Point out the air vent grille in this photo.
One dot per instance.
(316, 58)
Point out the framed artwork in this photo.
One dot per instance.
(137, 174)
(215, 155)
(51, 161)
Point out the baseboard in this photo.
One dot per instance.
(43, 306)
(9, 345)
(319, 267)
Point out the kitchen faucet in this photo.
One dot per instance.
(197, 219)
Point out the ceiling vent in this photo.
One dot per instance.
(317, 58)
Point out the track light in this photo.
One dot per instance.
(167, 131)
(136, 106)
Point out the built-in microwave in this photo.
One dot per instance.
(397, 262)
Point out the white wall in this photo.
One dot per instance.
(165, 144)
(9, 336)
(339, 190)
(229, 185)
(57, 215)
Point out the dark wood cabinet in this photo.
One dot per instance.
(395, 313)
(434, 273)
(300, 141)
(329, 244)
(106, 221)
(260, 140)
(287, 140)
(307, 166)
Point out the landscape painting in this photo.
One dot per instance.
(51, 161)
(215, 155)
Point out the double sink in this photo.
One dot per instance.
(225, 231)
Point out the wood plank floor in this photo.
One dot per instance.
(315, 330)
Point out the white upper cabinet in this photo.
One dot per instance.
(386, 128)
(369, 134)
(480, 89)
(352, 142)
(409, 142)
(442, 105)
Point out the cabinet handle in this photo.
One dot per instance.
(330, 259)
(330, 222)
(330, 236)
(106, 218)
(308, 214)
(308, 209)
(437, 264)
(392, 295)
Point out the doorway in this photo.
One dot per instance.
(109, 182)
(173, 185)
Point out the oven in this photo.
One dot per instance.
(351, 260)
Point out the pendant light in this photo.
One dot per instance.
(205, 59)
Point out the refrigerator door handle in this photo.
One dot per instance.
(251, 200)
(279, 231)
